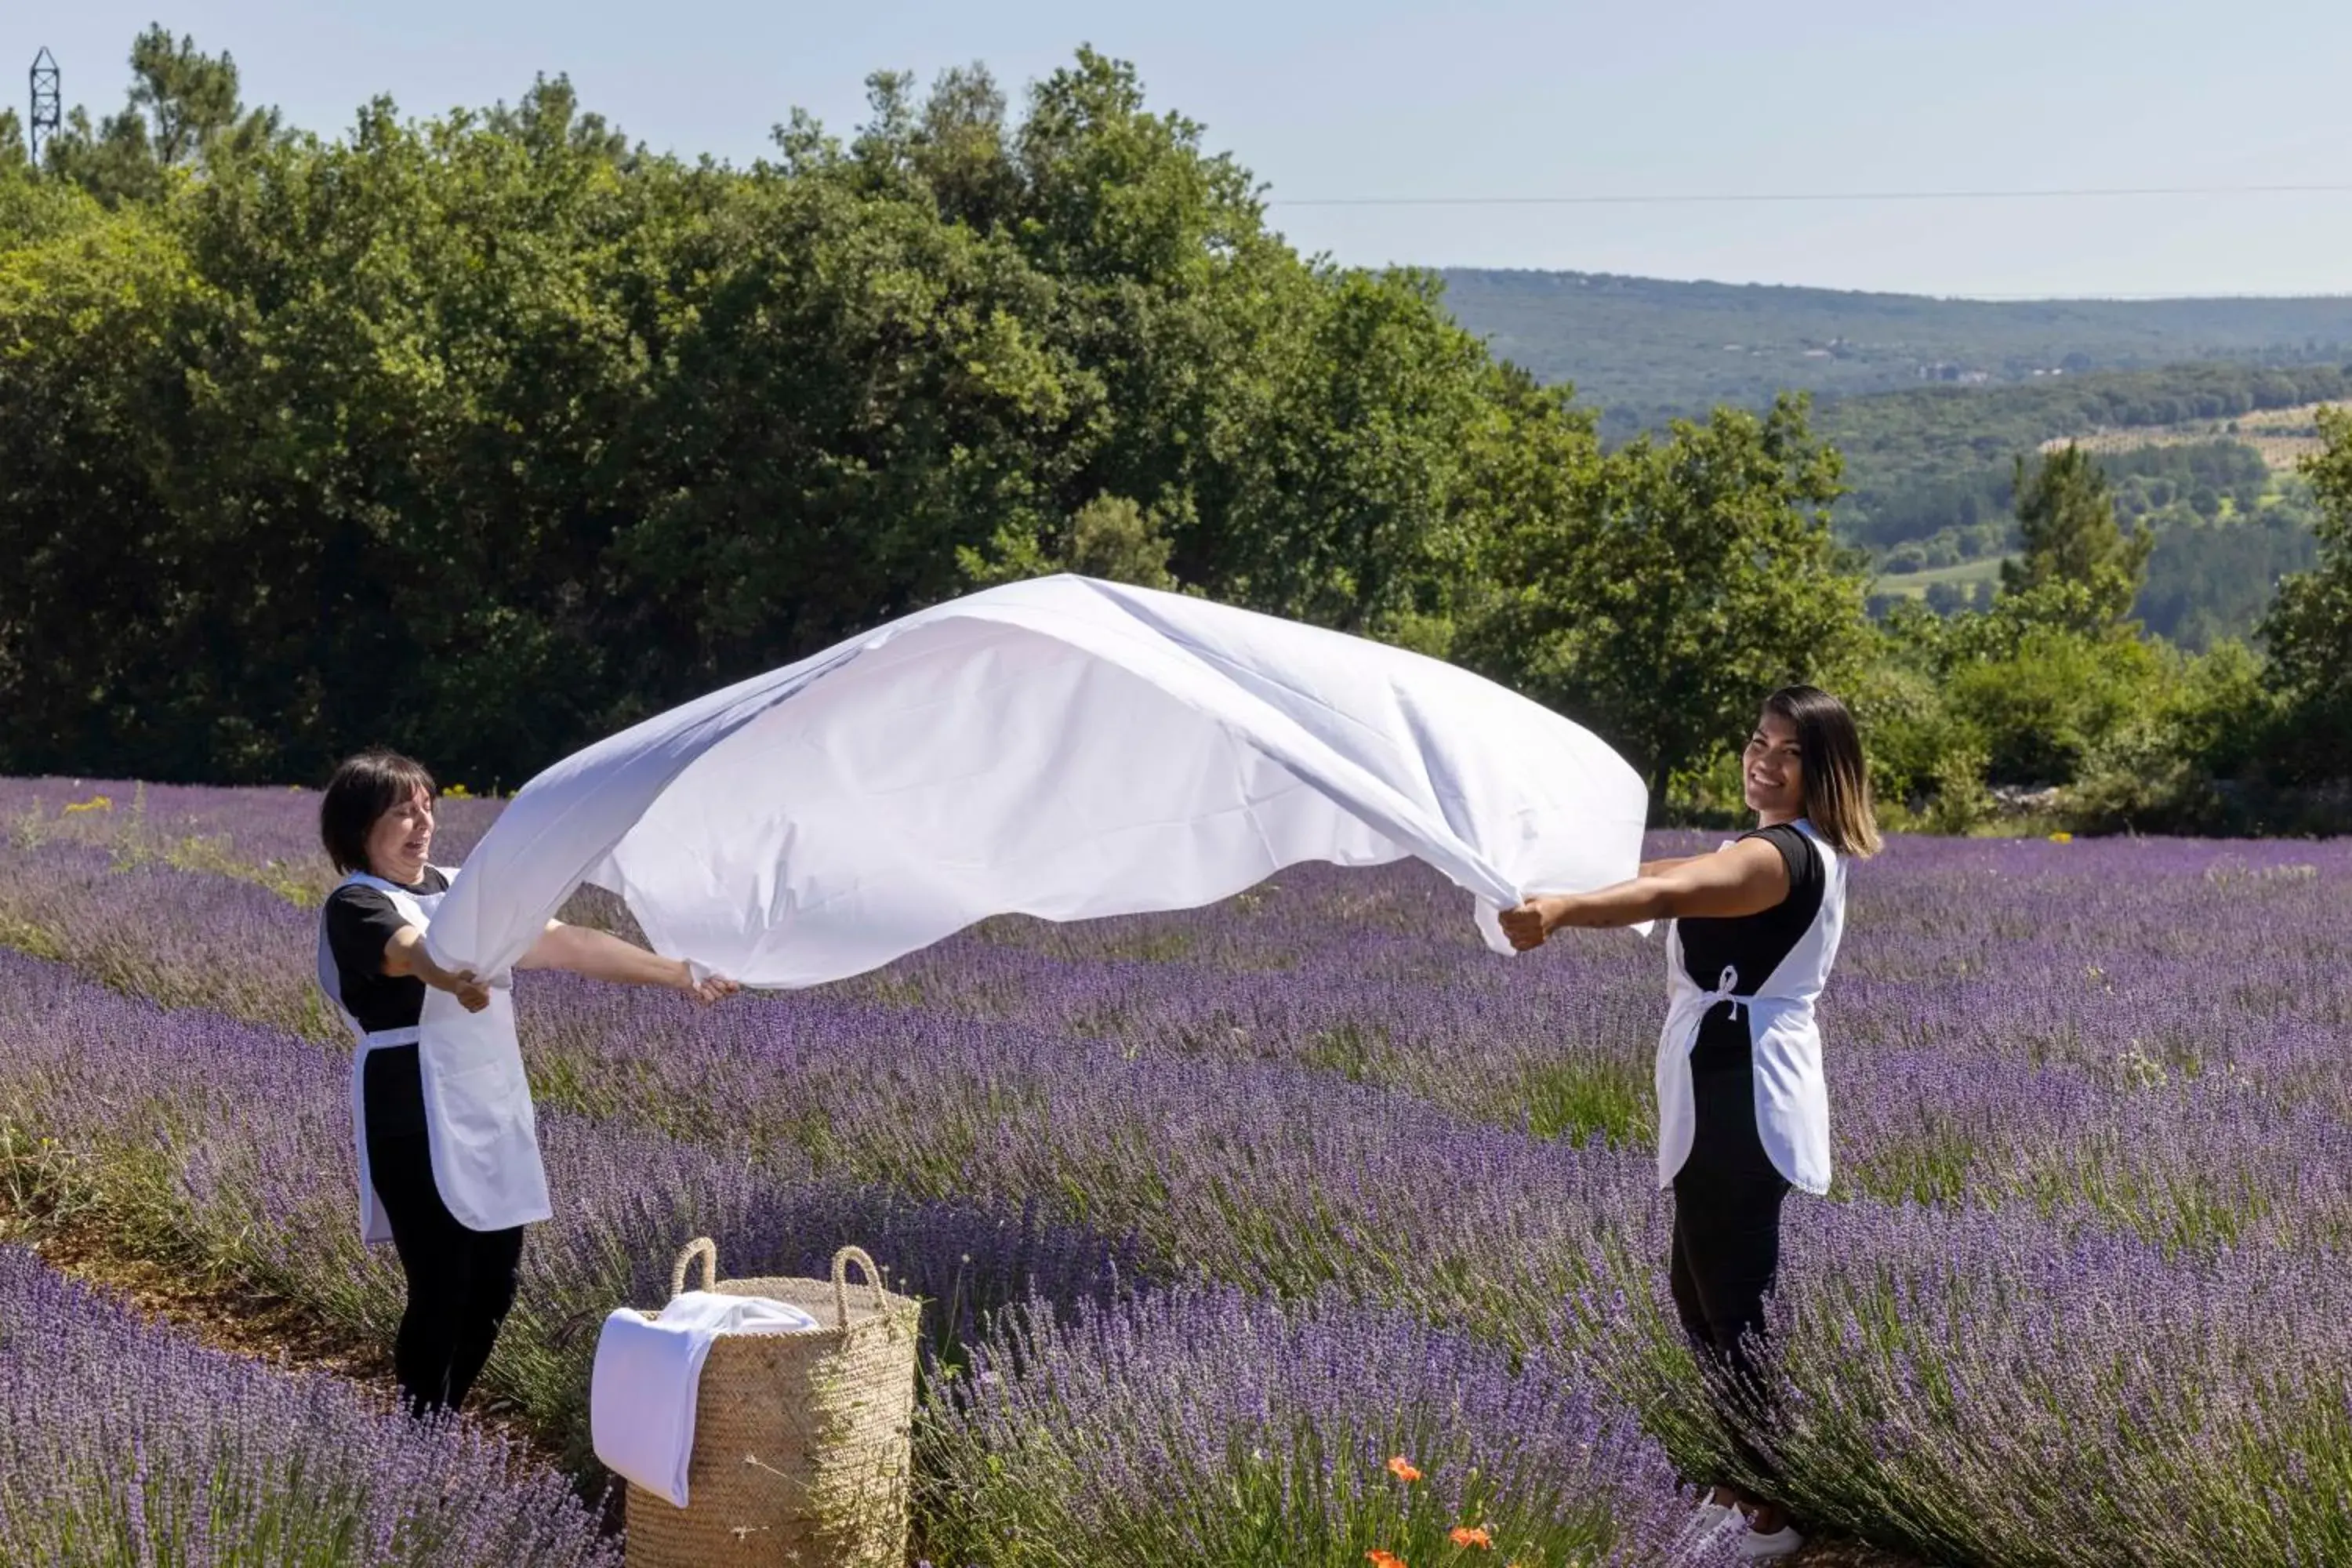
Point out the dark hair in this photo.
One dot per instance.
(1837, 780)
(364, 788)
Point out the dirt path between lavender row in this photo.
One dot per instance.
(1851, 1555)
(225, 1316)
(230, 1317)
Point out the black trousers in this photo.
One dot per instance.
(460, 1281)
(1726, 1245)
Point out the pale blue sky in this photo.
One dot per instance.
(1376, 99)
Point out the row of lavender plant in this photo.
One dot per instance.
(1314, 1435)
(2234, 890)
(232, 1141)
(277, 1202)
(2015, 1024)
(268, 837)
(2014, 1396)
(2103, 934)
(230, 1145)
(127, 1442)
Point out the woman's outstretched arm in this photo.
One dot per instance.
(600, 955)
(1745, 880)
(406, 954)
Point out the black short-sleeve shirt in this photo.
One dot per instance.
(1752, 944)
(360, 922)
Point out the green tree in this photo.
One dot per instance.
(92, 601)
(186, 98)
(2308, 631)
(2041, 697)
(33, 208)
(1341, 499)
(2066, 516)
(1110, 536)
(1680, 582)
(408, 407)
(2158, 773)
(922, 357)
(1926, 762)
(182, 114)
(487, 434)
(2034, 691)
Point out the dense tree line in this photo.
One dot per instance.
(2052, 683)
(2208, 585)
(2309, 628)
(484, 435)
(487, 434)
(1922, 462)
(2225, 530)
(2198, 476)
(2199, 481)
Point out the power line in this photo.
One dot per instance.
(2175, 296)
(1720, 198)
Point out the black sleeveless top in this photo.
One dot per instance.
(1752, 944)
(360, 922)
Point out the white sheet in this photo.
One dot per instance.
(1062, 747)
(648, 1375)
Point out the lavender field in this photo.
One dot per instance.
(1220, 1212)
(126, 1443)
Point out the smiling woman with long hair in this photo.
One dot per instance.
(1743, 1110)
(376, 822)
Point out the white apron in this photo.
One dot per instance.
(1792, 1099)
(479, 1121)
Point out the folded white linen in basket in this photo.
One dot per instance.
(641, 1393)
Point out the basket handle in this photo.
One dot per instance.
(709, 1249)
(841, 1262)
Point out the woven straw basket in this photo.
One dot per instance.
(803, 1442)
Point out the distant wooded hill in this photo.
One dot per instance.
(2204, 455)
(1920, 462)
(1643, 350)
(1931, 401)
(1929, 476)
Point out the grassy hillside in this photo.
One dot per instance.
(2282, 438)
(1920, 463)
(1963, 575)
(1643, 348)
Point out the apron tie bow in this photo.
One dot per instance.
(1723, 992)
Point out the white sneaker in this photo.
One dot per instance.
(1757, 1547)
(1707, 1522)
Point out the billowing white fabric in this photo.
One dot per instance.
(1792, 1097)
(647, 1376)
(1062, 747)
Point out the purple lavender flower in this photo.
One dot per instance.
(127, 1442)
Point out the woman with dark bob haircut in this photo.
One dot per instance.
(1743, 1111)
(376, 822)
